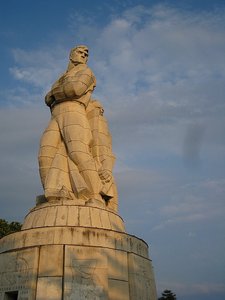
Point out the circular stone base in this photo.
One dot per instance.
(67, 213)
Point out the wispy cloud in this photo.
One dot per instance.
(193, 203)
(39, 67)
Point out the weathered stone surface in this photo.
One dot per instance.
(109, 262)
(118, 290)
(117, 265)
(85, 273)
(78, 236)
(67, 213)
(49, 288)
(50, 261)
(18, 272)
(141, 278)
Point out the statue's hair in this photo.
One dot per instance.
(96, 103)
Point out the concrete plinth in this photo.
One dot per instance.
(78, 252)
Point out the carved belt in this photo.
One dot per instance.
(55, 102)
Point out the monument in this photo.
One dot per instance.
(73, 244)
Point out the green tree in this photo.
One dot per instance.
(168, 295)
(7, 228)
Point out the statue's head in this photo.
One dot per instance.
(97, 105)
(79, 55)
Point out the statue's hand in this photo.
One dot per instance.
(105, 175)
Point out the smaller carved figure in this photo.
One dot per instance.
(101, 149)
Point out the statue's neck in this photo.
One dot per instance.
(72, 65)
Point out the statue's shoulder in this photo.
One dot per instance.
(84, 69)
(78, 70)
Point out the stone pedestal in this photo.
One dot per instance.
(74, 252)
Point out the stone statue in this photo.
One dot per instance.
(75, 156)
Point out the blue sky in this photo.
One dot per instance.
(160, 72)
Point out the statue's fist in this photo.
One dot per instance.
(105, 175)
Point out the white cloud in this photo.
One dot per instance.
(21, 130)
(39, 67)
(32, 75)
(194, 202)
(21, 97)
(161, 71)
(153, 65)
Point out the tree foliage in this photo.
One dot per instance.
(168, 295)
(7, 228)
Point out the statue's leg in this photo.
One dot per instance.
(48, 148)
(77, 136)
(79, 153)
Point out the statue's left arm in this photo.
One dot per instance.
(74, 84)
(78, 84)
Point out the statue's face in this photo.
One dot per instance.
(79, 56)
(101, 111)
